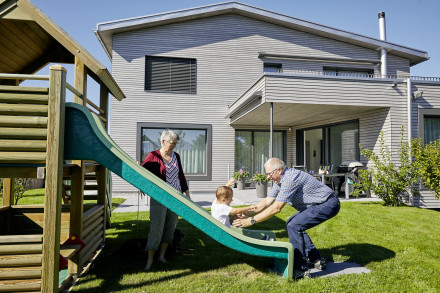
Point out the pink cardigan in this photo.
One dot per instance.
(154, 163)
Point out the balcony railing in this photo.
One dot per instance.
(358, 75)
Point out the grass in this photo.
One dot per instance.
(400, 245)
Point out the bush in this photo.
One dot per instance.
(427, 160)
(259, 177)
(386, 179)
(241, 174)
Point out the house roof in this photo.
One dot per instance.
(106, 30)
(30, 40)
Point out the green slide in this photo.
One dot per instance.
(87, 139)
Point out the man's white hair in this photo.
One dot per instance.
(275, 164)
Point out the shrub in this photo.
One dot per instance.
(386, 179)
(259, 177)
(427, 160)
(241, 174)
(20, 186)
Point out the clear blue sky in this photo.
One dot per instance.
(411, 23)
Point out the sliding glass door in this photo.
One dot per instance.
(252, 149)
(328, 145)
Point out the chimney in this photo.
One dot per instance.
(383, 37)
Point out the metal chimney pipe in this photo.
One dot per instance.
(383, 37)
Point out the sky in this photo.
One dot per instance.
(411, 23)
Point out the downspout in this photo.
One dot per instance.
(409, 110)
(383, 51)
(271, 131)
(409, 107)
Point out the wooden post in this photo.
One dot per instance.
(76, 213)
(54, 179)
(80, 82)
(103, 102)
(101, 179)
(8, 191)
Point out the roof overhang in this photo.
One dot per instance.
(106, 30)
(19, 21)
(287, 115)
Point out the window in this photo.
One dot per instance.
(429, 125)
(194, 146)
(328, 145)
(252, 149)
(164, 74)
(273, 67)
(348, 72)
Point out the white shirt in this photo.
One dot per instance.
(220, 211)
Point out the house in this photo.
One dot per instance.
(242, 84)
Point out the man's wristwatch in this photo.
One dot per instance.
(252, 221)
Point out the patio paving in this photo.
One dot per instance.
(248, 196)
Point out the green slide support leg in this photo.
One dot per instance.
(87, 139)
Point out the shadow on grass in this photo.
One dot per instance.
(361, 253)
(201, 253)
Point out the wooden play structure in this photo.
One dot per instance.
(32, 145)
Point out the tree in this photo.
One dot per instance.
(386, 179)
(427, 160)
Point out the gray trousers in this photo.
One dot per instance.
(162, 225)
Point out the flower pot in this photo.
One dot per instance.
(241, 184)
(261, 188)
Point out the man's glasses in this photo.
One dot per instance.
(172, 143)
(270, 173)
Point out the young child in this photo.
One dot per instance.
(221, 208)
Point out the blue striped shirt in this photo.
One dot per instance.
(172, 172)
(300, 190)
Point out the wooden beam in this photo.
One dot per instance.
(54, 179)
(23, 109)
(18, 172)
(22, 157)
(28, 98)
(23, 133)
(22, 145)
(76, 213)
(8, 191)
(80, 82)
(103, 102)
(22, 121)
(102, 196)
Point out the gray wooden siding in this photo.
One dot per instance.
(226, 48)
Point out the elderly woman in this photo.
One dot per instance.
(165, 164)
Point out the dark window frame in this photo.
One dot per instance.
(278, 66)
(367, 71)
(149, 74)
(284, 133)
(186, 126)
(300, 139)
(426, 113)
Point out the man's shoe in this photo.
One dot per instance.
(298, 274)
(320, 264)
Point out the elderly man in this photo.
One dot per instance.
(314, 202)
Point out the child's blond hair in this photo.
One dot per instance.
(223, 192)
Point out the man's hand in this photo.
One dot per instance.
(242, 223)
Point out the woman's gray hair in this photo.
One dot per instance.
(275, 164)
(168, 135)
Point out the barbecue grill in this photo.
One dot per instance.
(352, 168)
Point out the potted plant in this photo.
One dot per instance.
(241, 176)
(260, 180)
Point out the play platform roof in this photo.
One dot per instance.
(29, 40)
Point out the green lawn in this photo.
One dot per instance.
(400, 245)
